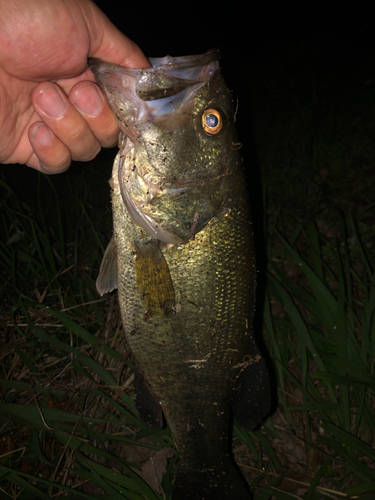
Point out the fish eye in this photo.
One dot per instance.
(212, 121)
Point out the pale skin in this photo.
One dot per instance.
(51, 111)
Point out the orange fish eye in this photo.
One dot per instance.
(212, 121)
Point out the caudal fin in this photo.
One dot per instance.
(210, 484)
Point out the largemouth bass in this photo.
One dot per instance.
(182, 259)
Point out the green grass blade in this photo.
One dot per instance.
(18, 479)
(360, 489)
(136, 488)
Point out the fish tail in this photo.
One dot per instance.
(210, 484)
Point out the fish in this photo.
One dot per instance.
(182, 259)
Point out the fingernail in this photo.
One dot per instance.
(51, 102)
(88, 100)
(42, 135)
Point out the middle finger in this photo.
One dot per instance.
(89, 100)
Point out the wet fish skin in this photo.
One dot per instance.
(185, 265)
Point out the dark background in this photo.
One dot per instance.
(240, 29)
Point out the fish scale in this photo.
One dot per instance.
(185, 267)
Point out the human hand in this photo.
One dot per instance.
(51, 111)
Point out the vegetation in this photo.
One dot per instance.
(68, 427)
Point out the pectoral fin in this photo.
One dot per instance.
(107, 279)
(253, 399)
(153, 279)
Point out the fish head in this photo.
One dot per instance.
(176, 109)
(179, 120)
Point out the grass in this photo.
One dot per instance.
(321, 339)
(68, 426)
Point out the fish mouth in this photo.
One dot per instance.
(141, 95)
